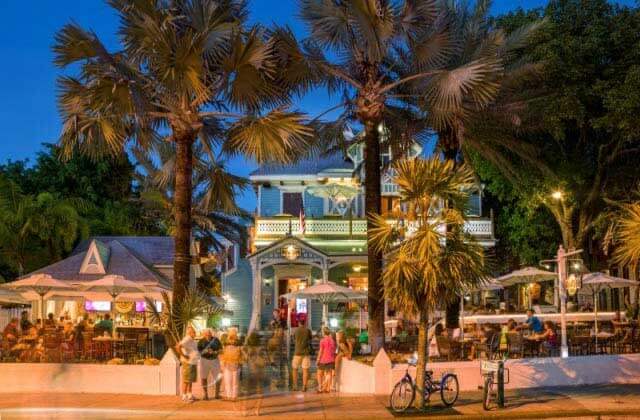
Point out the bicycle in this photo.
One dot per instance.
(404, 392)
(490, 389)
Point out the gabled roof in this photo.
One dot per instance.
(134, 263)
(309, 166)
(152, 250)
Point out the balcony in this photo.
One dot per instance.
(274, 228)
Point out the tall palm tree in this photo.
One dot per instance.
(214, 211)
(628, 232)
(181, 65)
(430, 261)
(392, 59)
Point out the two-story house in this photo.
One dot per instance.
(310, 227)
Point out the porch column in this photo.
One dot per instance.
(256, 304)
(325, 306)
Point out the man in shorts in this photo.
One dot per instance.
(209, 346)
(187, 348)
(301, 356)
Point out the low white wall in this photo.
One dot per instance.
(356, 378)
(523, 373)
(91, 378)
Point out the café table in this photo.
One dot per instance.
(605, 340)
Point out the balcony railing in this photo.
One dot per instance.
(276, 227)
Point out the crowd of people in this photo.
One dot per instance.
(216, 360)
(23, 340)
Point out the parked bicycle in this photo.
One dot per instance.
(404, 392)
(489, 371)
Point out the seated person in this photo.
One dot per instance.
(25, 324)
(533, 323)
(549, 336)
(512, 325)
(50, 322)
(106, 325)
(10, 333)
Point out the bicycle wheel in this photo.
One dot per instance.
(449, 389)
(402, 396)
(486, 393)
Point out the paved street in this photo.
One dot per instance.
(583, 402)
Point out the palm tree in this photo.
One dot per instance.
(395, 62)
(427, 266)
(27, 221)
(628, 236)
(214, 211)
(180, 66)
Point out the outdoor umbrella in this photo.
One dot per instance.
(326, 293)
(595, 282)
(9, 296)
(113, 285)
(526, 275)
(40, 284)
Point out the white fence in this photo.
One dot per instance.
(161, 379)
(358, 378)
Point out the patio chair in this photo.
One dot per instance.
(52, 342)
(88, 349)
(581, 345)
(515, 344)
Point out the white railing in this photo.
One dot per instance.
(340, 227)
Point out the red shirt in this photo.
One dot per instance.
(327, 350)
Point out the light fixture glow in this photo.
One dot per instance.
(557, 195)
(357, 268)
(333, 323)
(225, 322)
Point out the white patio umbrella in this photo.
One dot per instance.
(326, 293)
(40, 284)
(526, 275)
(9, 296)
(113, 285)
(595, 282)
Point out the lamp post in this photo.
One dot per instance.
(561, 260)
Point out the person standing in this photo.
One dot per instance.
(301, 356)
(25, 324)
(187, 348)
(326, 361)
(230, 360)
(345, 350)
(209, 347)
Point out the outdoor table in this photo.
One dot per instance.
(532, 344)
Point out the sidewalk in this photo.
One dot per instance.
(584, 402)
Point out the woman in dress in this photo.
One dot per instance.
(326, 361)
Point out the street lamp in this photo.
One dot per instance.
(563, 284)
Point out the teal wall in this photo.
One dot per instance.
(238, 285)
(313, 206)
(269, 201)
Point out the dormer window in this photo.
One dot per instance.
(96, 259)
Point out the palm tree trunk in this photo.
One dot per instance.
(421, 365)
(452, 312)
(374, 259)
(182, 206)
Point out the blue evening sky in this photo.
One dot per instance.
(28, 114)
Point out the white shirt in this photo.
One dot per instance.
(190, 350)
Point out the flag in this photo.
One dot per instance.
(303, 226)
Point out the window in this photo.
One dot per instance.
(292, 203)
(387, 204)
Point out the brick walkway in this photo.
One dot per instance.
(583, 402)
